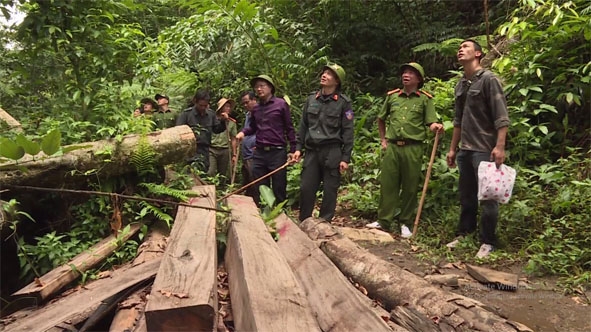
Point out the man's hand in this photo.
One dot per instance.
(296, 156)
(224, 115)
(239, 136)
(451, 158)
(343, 166)
(498, 156)
(436, 127)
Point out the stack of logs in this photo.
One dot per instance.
(299, 283)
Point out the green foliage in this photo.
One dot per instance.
(144, 157)
(270, 211)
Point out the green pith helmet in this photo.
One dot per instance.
(264, 78)
(338, 70)
(418, 68)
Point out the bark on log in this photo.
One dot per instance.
(56, 279)
(337, 304)
(108, 158)
(184, 294)
(266, 295)
(395, 286)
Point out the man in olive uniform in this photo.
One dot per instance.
(204, 123)
(223, 145)
(271, 122)
(401, 124)
(164, 117)
(326, 137)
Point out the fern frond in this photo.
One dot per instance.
(160, 189)
(143, 157)
(157, 212)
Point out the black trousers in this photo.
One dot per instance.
(320, 165)
(264, 162)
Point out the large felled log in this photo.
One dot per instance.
(108, 158)
(395, 286)
(184, 294)
(86, 299)
(337, 304)
(266, 295)
(56, 279)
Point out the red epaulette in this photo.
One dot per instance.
(426, 94)
(393, 91)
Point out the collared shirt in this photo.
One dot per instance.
(223, 139)
(480, 110)
(249, 141)
(407, 115)
(327, 120)
(164, 120)
(271, 122)
(203, 125)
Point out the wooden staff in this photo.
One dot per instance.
(427, 177)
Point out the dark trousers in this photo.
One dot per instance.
(468, 162)
(201, 158)
(320, 165)
(264, 162)
(247, 176)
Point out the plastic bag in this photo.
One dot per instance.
(495, 183)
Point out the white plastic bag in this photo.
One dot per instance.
(495, 183)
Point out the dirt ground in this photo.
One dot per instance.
(537, 302)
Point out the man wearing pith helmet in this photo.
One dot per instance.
(402, 124)
(326, 137)
(271, 122)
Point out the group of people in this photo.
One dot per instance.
(158, 110)
(324, 141)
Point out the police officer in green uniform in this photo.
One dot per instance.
(401, 124)
(164, 117)
(326, 137)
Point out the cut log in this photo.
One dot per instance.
(494, 279)
(10, 121)
(85, 299)
(108, 158)
(265, 293)
(184, 294)
(132, 310)
(51, 282)
(367, 234)
(337, 304)
(395, 286)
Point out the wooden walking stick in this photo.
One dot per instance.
(427, 177)
(235, 167)
(287, 163)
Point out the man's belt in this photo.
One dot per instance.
(403, 142)
(269, 147)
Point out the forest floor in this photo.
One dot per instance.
(537, 303)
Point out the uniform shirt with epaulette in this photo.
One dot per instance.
(480, 110)
(164, 120)
(325, 120)
(203, 125)
(223, 139)
(406, 115)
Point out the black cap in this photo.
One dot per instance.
(158, 96)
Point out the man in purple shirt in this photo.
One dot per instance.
(271, 122)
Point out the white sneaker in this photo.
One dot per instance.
(455, 242)
(485, 250)
(374, 224)
(405, 232)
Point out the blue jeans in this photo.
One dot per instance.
(468, 162)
